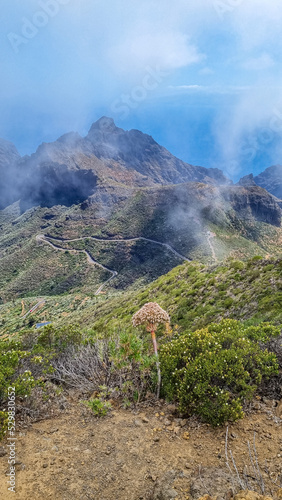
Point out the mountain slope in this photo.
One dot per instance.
(138, 237)
(72, 168)
(123, 199)
(271, 180)
(194, 295)
(140, 152)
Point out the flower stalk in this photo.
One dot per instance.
(151, 315)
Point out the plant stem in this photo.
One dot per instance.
(157, 362)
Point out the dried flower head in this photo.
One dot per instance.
(151, 315)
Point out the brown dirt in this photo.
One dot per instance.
(142, 454)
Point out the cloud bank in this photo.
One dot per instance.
(65, 62)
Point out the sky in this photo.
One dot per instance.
(203, 78)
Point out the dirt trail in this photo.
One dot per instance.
(90, 260)
(134, 456)
(23, 308)
(210, 236)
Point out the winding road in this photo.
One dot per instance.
(45, 239)
(210, 236)
(34, 308)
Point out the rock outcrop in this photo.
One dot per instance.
(135, 150)
(68, 170)
(271, 180)
(253, 202)
(75, 170)
(247, 180)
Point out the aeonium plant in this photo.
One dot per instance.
(151, 315)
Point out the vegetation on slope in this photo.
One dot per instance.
(183, 216)
(193, 294)
(196, 295)
(211, 372)
(214, 311)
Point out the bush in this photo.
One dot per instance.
(228, 302)
(237, 265)
(134, 367)
(3, 423)
(120, 363)
(211, 372)
(99, 407)
(12, 373)
(11, 356)
(26, 364)
(58, 339)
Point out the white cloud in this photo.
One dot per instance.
(243, 130)
(170, 51)
(206, 71)
(257, 23)
(210, 89)
(188, 87)
(263, 62)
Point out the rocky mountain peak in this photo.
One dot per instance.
(70, 139)
(108, 155)
(271, 180)
(8, 152)
(247, 180)
(137, 151)
(103, 125)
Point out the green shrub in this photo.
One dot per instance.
(268, 268)
(11, 357)
(238, 265)
(228, 302)
(3, 423)
(254, 274)
(99, 407)
(136, 366)
(255, 259)
(58, 339)
(211, 372)
(25, 364)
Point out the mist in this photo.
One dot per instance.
(203, 79)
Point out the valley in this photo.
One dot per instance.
(141, 250)
(90, 259)
(124, 202)
(92, 229)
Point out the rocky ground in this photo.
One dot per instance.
(145, 454)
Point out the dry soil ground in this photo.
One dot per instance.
(146, 453)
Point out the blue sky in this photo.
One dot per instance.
(203, 78)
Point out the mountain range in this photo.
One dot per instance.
(70, 169)
(270, 179)
(143, 208)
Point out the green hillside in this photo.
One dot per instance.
(193, 220)
(193, 294)
(196, 295)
